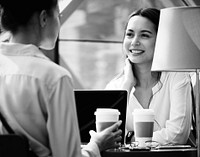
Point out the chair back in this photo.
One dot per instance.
(13, 145)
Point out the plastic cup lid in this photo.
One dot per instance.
(107, 111)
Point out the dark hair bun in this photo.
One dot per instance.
(17, 13)
(4, 3)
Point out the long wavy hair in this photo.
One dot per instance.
(151, 14)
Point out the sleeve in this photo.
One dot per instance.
(62, 123)
(91, 150)
(115, 83)
(177, 127)
(112, 85)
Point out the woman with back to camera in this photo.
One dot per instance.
(167, 93)
(36, 95)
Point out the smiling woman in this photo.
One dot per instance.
(167, 93)
(91, 34)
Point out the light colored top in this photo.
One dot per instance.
(172, 105)
(36, 97)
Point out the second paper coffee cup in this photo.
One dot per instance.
(143, 125)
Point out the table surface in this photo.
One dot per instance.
(189, 152)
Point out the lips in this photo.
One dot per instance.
(137, 52)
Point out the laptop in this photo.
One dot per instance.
(88, 100)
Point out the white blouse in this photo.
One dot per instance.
(172, 104)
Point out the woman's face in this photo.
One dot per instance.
(51, 30)
(139, 40)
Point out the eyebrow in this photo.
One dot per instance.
(143, 31)
(146, 31)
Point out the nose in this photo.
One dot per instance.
(135, 42)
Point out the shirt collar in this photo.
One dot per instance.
(16, 49)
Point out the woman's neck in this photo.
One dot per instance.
(24, 37)
(145, 77)
(29, 34)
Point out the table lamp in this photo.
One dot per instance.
(177, 47)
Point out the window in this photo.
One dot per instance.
(90, 39)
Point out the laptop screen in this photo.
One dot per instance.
(88, 100)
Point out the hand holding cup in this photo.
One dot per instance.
(107, 138)
(107, 123)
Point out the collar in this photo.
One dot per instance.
(16, 49)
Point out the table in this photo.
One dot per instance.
(189, 152)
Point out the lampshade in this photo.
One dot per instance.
(178, 40)
(177, 48)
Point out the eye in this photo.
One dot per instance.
(145, 35)
(129, 34)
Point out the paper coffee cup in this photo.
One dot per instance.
(143, 121)
(106, 117)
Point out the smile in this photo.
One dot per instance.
(136, 51)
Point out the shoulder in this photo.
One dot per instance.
(51, 73)
(116, 82)
(28, 63)
(37, 65)
(46, 69)
(176, 77)
(173, 75)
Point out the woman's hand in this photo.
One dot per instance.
(129, 78)
(108, 138)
